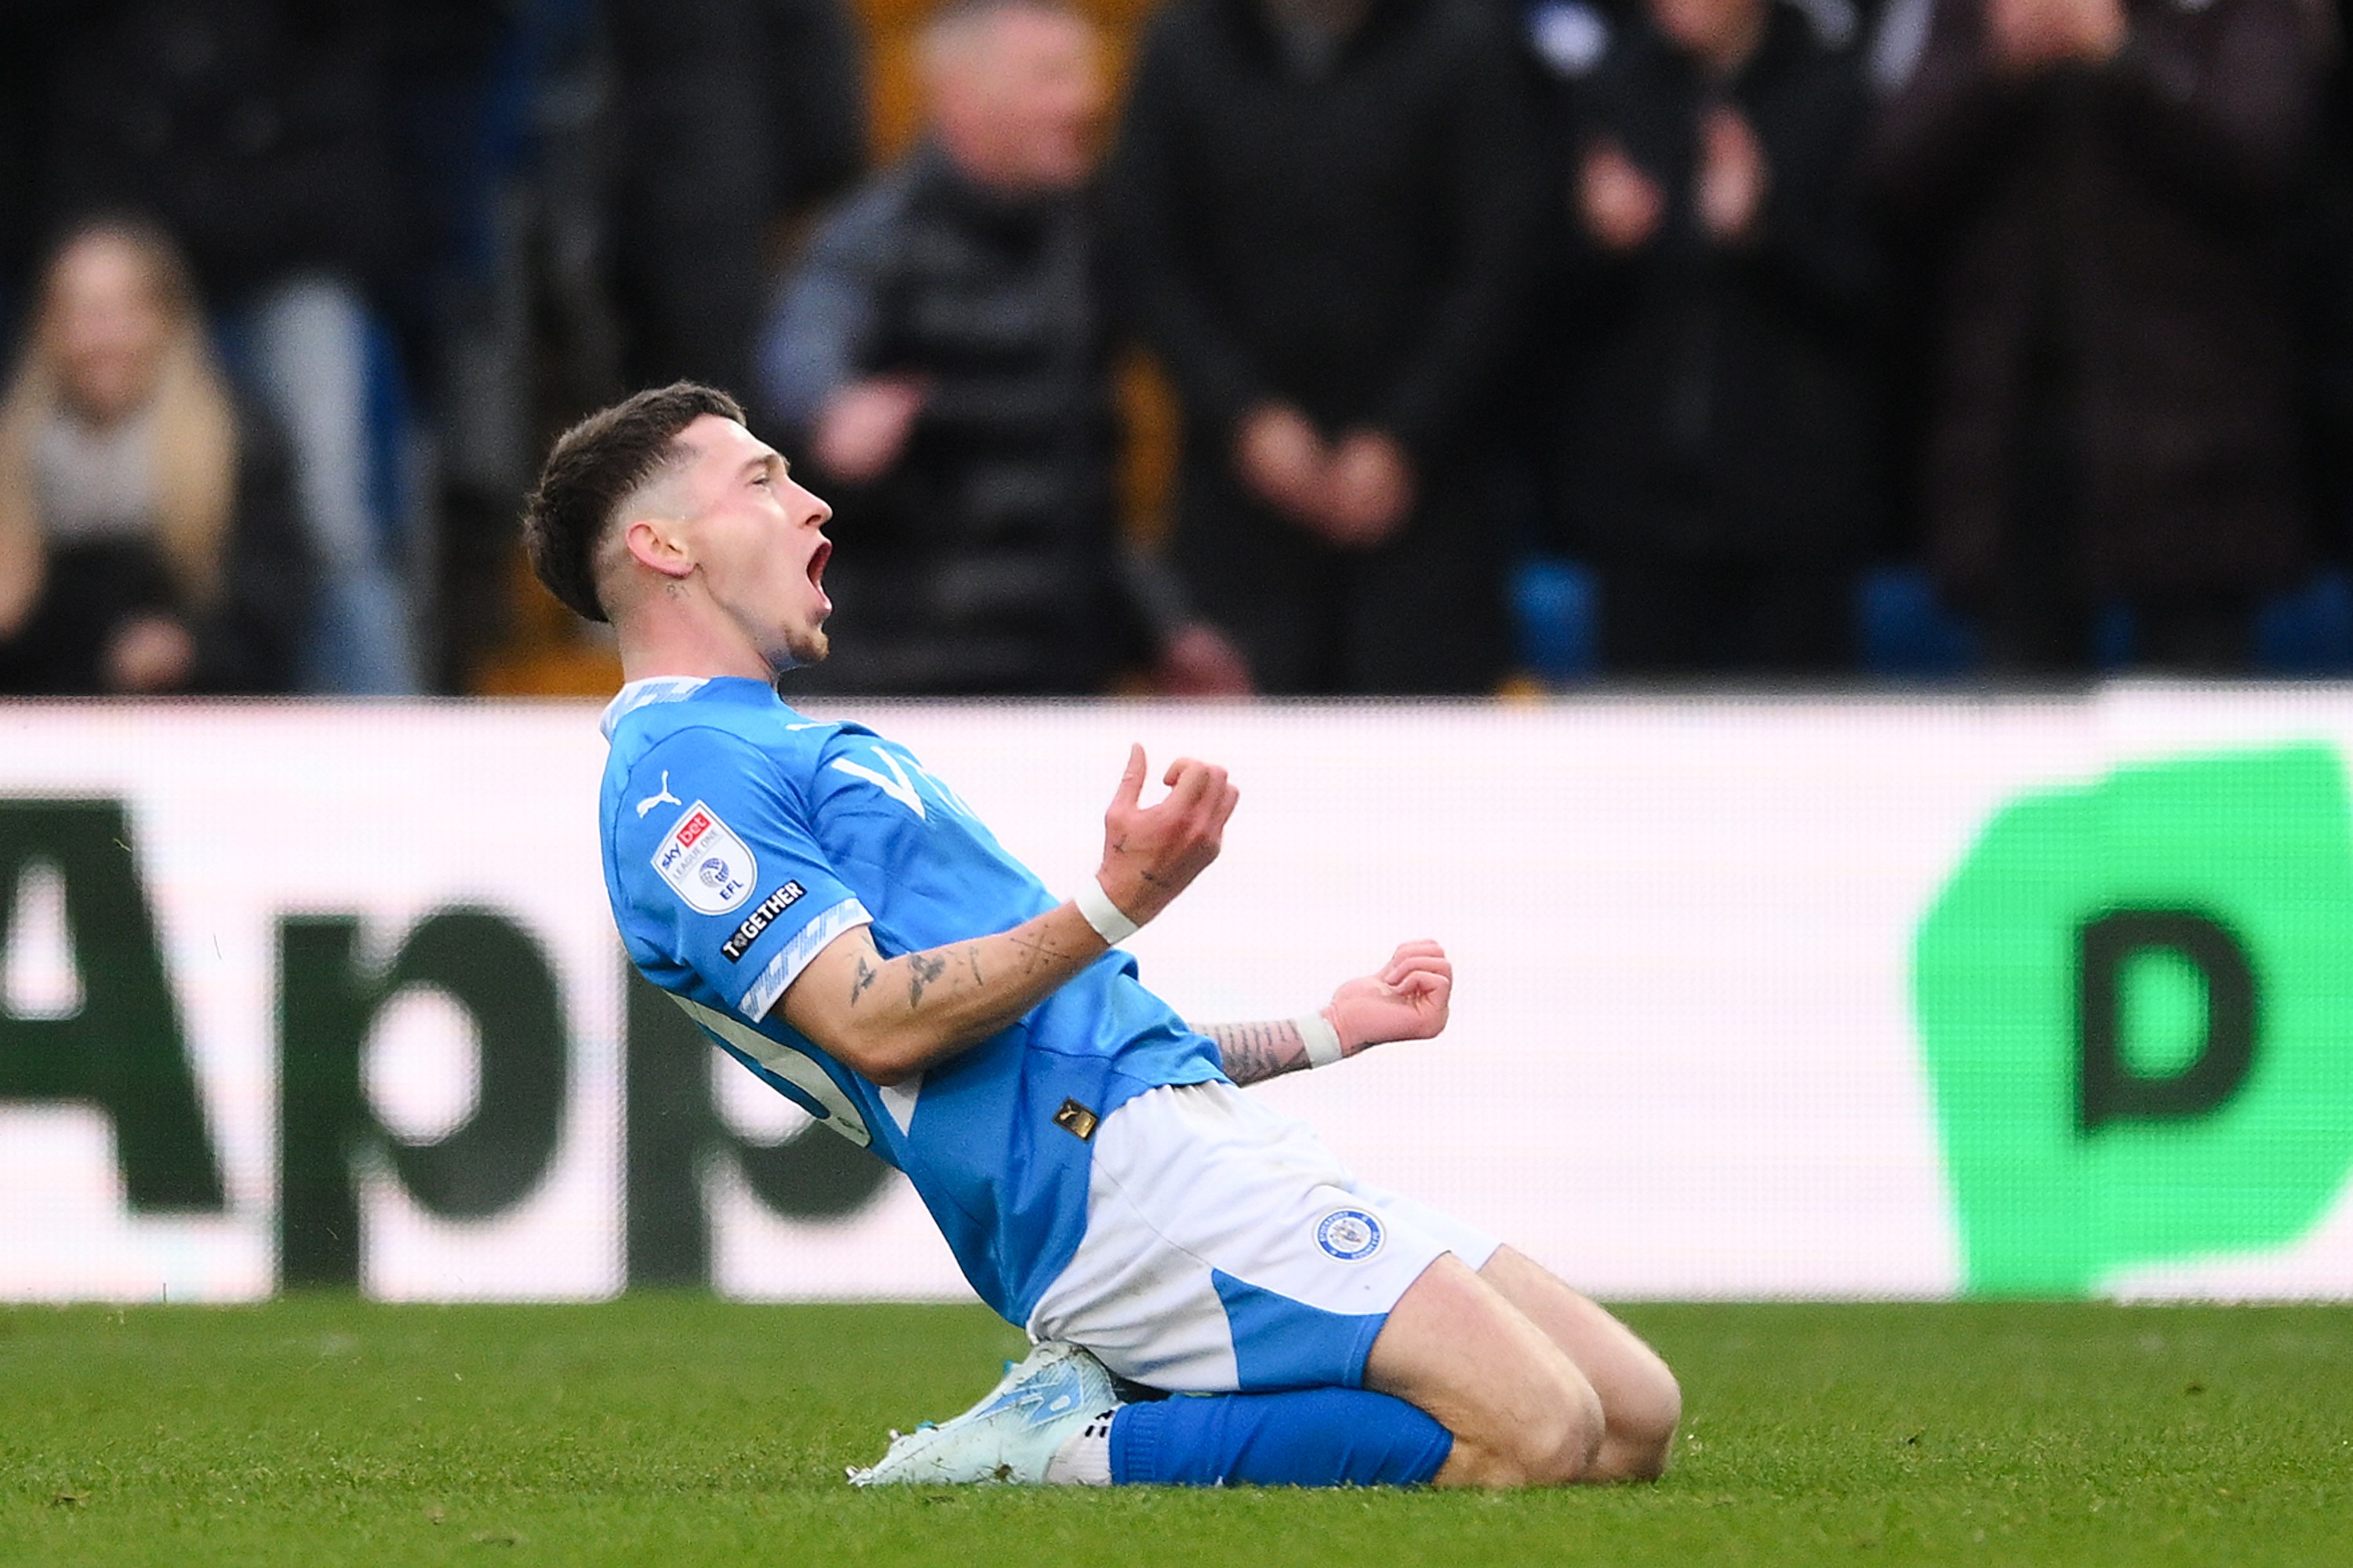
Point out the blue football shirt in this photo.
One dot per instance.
(740, 838)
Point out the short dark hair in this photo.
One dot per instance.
(593, 468)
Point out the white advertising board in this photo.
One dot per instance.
(1755, 997)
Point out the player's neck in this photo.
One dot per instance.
(656, 645)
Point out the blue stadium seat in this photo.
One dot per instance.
(1903, 629)
(2310, 631)
(1554, 630)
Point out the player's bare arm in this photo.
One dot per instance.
(890, 1018)
(1407, 999)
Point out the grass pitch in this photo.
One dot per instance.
(659, 1430)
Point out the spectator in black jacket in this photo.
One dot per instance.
(943, 355)
(1714, 447)
(148, 542)
(1322, 210)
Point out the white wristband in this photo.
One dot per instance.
(1322, 1041)
(1093, 903)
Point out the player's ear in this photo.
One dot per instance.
(658, 544)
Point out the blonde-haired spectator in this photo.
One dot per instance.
(148, 541)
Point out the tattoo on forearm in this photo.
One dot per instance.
(1252, 1053)
(922, 970)
(1035, 950)
(971, 957)
(864, 982)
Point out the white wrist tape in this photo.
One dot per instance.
(1093, 903)
(1322, 1040)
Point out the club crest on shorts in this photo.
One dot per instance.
(704, 863)
(1349, 1234)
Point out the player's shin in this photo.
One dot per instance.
(1310, 1437)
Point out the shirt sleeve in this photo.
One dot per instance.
(721, 868)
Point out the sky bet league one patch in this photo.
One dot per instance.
(704, 863)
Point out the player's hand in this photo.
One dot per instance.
(1406, 1000)
(1152, 853)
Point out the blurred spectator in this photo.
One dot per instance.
(1714, 446)
(256, 133)
(732, 119)
(2107, 191)
(148, 542)
(1323, 216)
(943, 352)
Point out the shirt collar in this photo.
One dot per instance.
(653, 689)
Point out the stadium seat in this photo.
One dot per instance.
(2308, 631)
(1554, 625)
(1902, 629)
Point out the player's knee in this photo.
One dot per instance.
(1555, 1444)
(1643, 1424)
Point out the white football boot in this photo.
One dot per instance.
(1011, 1435)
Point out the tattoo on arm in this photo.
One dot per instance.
(922, 970)
(1252, 1053)
(1035, 950)
(956, 994)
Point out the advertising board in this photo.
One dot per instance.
(1756, 997)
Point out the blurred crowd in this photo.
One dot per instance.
(1506, 338)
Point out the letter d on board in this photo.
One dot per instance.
(2136, 1005)
(2109, 1086)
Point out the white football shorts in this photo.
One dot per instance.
(1227, 1249)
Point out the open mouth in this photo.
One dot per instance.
(817, 559)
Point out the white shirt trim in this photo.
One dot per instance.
(786, 966)
(653, 689)
(788, 1064)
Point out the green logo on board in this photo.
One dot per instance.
(2135, 999)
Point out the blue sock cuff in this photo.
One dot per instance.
(1135, 1442)
(1309, 1438)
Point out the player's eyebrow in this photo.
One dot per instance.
(772, 462)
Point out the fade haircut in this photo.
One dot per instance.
(594, 467)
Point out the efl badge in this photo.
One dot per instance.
(1349, 1234)
(704, 863)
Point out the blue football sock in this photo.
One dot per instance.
(1314, 1437)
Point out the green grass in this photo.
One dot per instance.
(658, 1430)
